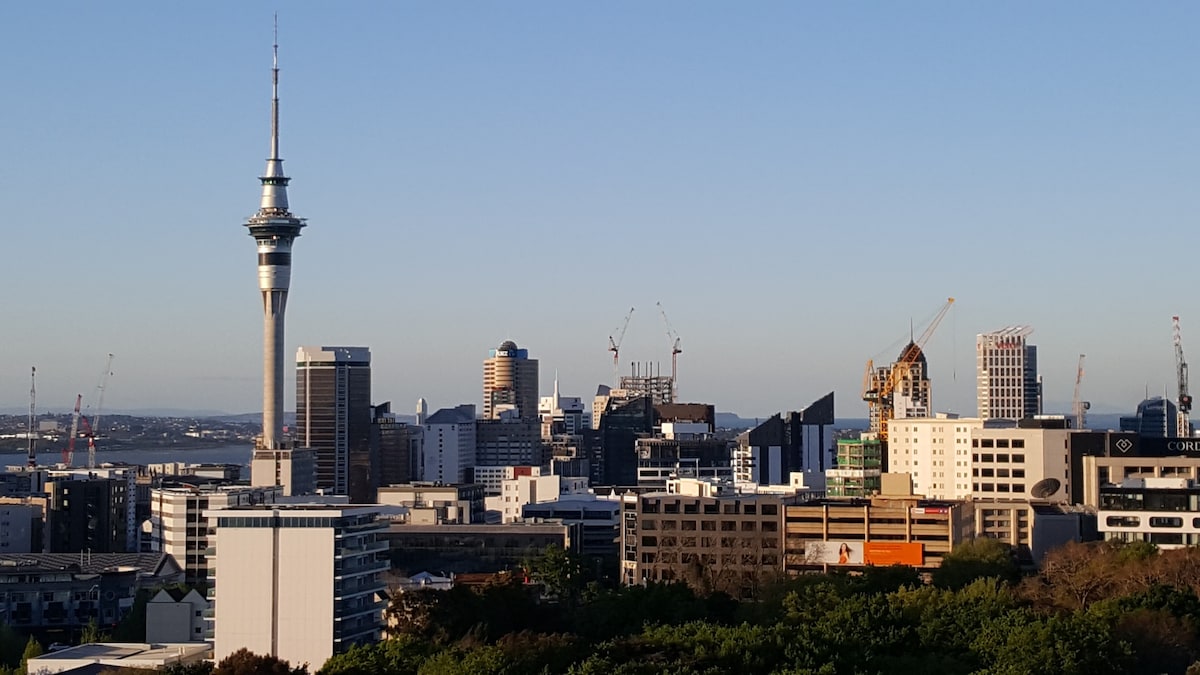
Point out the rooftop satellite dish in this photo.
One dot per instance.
(1044, 488)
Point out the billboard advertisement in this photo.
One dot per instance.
(885, 553)
(834, 552)
(882, 553)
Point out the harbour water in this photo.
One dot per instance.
(225, 454)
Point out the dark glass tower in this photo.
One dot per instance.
(333, 417)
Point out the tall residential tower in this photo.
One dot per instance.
(274, 228)
(1006, 375)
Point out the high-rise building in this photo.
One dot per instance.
(300, 583)
(510, 381)
(396, 446)
(1006, 375)
(448, 445)
(333, 417)
(179, 525)
(1155, 418)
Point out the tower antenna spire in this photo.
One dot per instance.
(275, 91)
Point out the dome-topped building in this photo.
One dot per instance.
(510, 383)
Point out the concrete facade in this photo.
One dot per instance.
(299, 583)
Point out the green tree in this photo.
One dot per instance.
(401, 655)
(560, 571)
(976, 559)
(245, 662)
(91, 633)
(33, 649)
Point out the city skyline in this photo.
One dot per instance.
(769, 176)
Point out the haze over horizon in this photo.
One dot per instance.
(794, 182)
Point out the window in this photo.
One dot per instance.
(1002, 458)
(1019, 443)
(1166, 521)
(1124, 521)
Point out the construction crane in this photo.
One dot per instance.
(68, 455)
(31, 461)
(676, 350)
(99, 409)
(1183, 425)
(1079, 407)
(879, 397)
(614, 346)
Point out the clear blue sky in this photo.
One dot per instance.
(794, 181)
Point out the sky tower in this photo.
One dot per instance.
(274, 228)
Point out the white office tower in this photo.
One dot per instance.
(1006, 375)
(300, 583)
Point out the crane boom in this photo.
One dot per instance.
(676, 350)
(1079, 407)
(69, 453)
(1183, 425)
(99, 409)
(614, 346)
(879, 399)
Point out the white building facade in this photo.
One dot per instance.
(961, 458)
(448, 445)
(178, 524)
(1006, 376)
(299, 583)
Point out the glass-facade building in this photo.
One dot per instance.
(333, 418)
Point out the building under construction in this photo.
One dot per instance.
(901, 389)
(648, 381)
(911, 395)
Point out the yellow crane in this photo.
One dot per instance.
(877, 391)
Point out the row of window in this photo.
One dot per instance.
(1002, 458)
(751, 509)
(1154, 521)
(999, 487)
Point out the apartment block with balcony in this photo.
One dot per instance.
(299, 582)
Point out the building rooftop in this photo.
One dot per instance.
(121, 655)
(84, 563)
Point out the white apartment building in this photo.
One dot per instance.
(962, 458)
(178, 524)
(448, 445)
(300, 583)
(536, 488)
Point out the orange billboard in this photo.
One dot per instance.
(893, 553)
